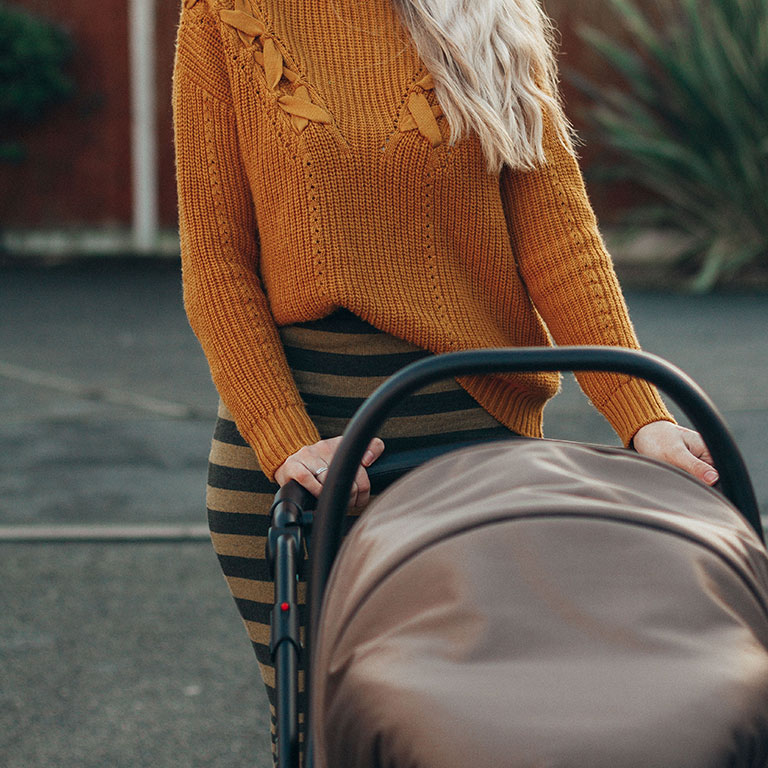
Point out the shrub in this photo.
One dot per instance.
(690, 124)
(33, 57)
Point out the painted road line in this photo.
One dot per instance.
(101, 394)
(142, 533)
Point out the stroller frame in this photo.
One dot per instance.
(292, 520)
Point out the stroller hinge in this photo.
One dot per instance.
(284, 627)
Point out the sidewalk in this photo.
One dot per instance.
(133, 654)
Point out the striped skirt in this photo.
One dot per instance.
(336, 362)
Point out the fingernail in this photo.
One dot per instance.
(368, 458)
(711, 477)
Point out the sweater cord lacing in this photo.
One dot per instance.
(298, 105)
(421, 115)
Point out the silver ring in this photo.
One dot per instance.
(320, 471)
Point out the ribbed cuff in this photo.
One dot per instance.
(633, 405)
(276, 436)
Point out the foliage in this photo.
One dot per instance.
(33, 57)
(690, 123)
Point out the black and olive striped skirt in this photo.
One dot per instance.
(337, 362)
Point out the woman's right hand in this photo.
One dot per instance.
(309, 464)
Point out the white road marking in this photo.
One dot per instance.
(105, 533)
(103, 394)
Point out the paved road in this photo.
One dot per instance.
(132, 654)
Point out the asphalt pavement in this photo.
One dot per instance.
(132, 653)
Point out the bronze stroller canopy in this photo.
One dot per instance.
(542, 603)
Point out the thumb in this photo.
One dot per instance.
(699, 460)
(375, 449)
(702, 471)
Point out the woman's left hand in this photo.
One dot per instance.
(678, 446)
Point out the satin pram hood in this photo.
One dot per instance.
(541, 603)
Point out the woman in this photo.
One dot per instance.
(362, 184)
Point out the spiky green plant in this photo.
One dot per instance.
(690, 123)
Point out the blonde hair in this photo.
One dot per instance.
(495, 73)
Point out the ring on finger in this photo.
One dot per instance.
(320, 471)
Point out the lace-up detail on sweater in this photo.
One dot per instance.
(298, 104)
(421, 115)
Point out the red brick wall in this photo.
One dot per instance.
(167, 19)
(77, 172)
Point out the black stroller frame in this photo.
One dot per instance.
(292, 518)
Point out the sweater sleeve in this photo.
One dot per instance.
(223, 295)
(571, 280)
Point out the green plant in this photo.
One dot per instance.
(33, 57)
(690, 123)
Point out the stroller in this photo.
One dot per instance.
(527, 603)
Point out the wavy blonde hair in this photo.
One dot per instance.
(495, 73)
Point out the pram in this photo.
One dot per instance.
(528, 603)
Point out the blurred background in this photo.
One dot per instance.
(119, 644)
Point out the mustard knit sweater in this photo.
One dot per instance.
(314, 172)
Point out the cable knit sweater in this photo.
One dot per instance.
(315, 172)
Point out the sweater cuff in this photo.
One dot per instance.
(276, 436)
(633, 405)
